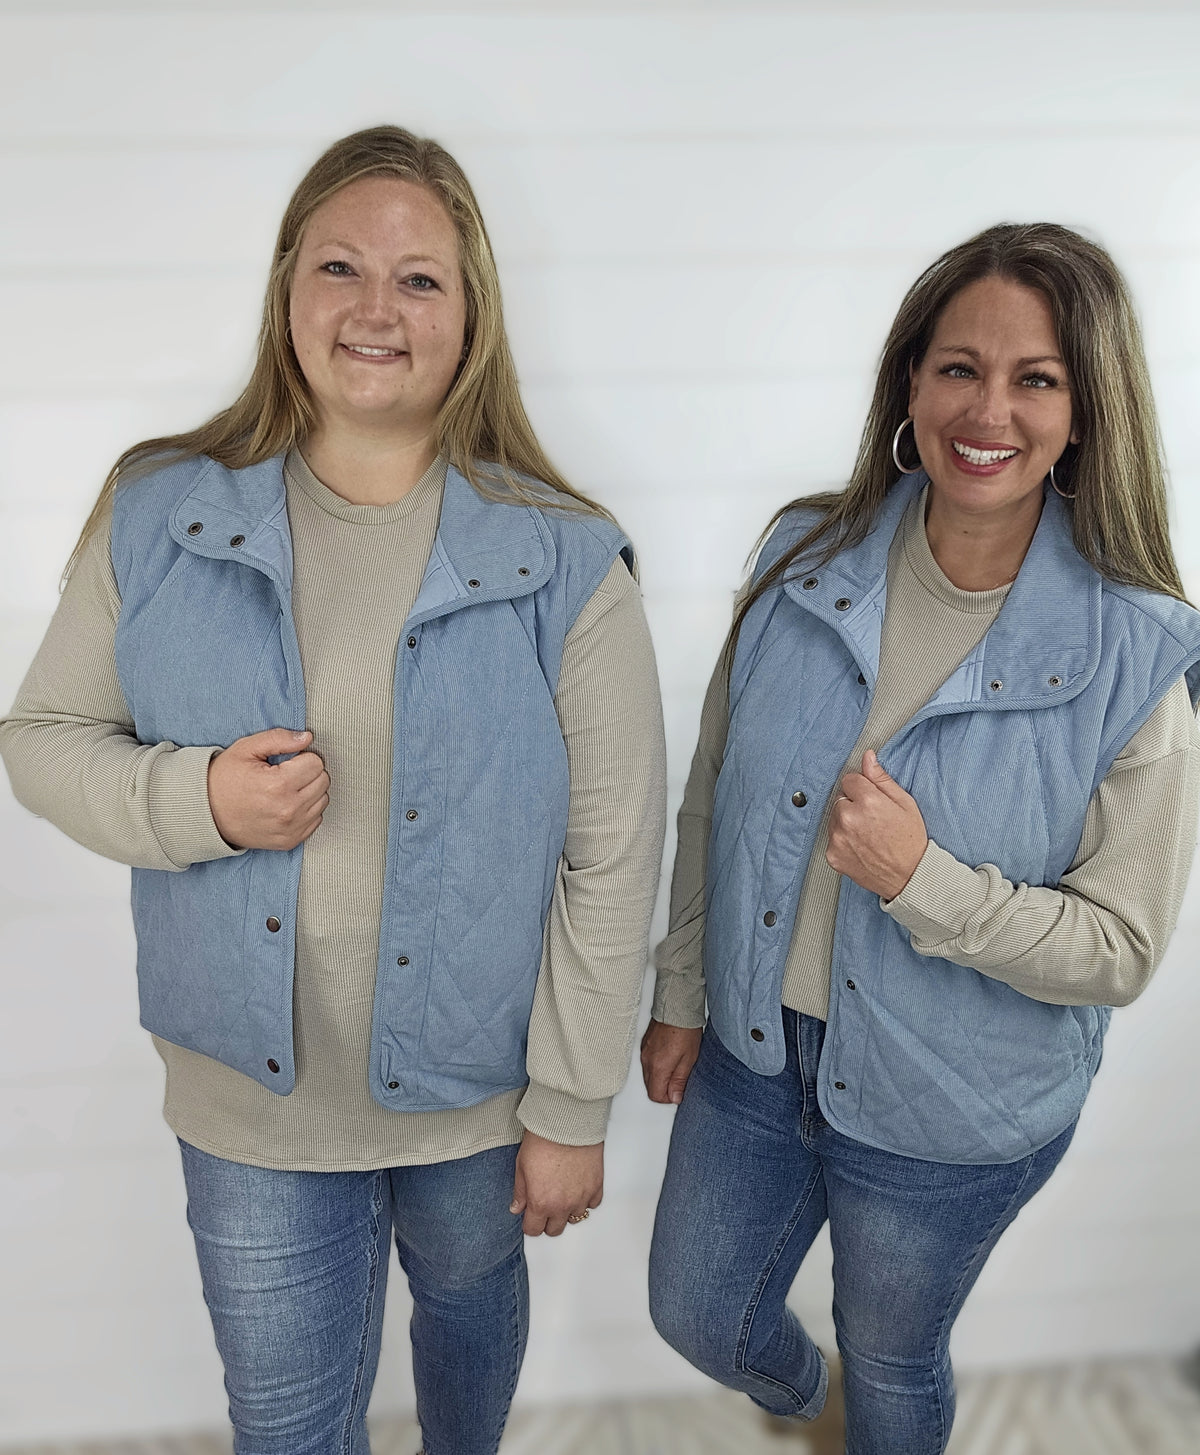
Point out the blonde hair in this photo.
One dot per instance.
(482, 419)
(1115, 473)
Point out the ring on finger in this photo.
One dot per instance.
(578, 1217)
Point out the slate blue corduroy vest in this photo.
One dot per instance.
(206, 653)
(924, 1057)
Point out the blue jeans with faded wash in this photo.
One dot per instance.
(753, 1173)
(294, 1266)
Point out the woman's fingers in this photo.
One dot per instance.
(668, 1055)
(258, 804)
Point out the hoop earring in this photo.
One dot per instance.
(904, 469)
(1066, 494)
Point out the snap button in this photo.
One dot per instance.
(272, 1064)
(522, 570)
(850, 985)
(393, 1085)
(799, 799)
(809, 582)
(769, 918)
(411, 814)
(842, 604)
(236, 541)
(195, 528)
(839, 1086)
(862, 681)
(1055, 681)
(273, 925)
(472, 583)
(996, 685)
(757, 1035)
(412, 641)
(401, 959)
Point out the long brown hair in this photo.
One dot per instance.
(1116, 472)
(482, 419)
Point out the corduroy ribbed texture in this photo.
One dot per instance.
(357, 572)
(1096, 944)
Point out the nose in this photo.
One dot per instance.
(377, 304)
(991, 408)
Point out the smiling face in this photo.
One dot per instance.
(377, 308)
(991, 401)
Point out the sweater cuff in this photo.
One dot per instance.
(940, 898)
(179, 810)
(678, 1000)
(560, 1117)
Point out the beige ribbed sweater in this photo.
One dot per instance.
(1095, 939)
(69, 748)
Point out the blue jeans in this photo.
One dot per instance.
(754, 1171)
(294, 1266)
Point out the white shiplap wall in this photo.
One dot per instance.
(705, 216)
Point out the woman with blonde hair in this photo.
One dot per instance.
(362, 690)
(939, 820)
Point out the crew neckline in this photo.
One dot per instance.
(922, 563)
(425, 492)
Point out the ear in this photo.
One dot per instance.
(1073, 437)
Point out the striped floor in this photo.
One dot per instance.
(1142, 1408)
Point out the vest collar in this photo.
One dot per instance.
(485, 550)
(1042, 649)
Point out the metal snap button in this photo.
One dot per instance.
(236, 541)
(757, 1035)
(809, 582)
(839, 1085)
(393, 1085)
(472, 583)
(195, 528)
(401, 959)
(799, 799)
(273, 925)
(411, 814)
(272, 1064)
(412, 641)
(522, 570)
(862, 681)
(769, 918)
(850, 985)
(997, 685)
(842, 604)
(1055, 681)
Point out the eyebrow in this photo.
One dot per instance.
(1021, 363)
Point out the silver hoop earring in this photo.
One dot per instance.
(904, 469)
(1066, 494)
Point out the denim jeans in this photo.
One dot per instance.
(754, 1171)
(294, 1266)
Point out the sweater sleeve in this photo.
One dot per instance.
(71, 751)
(593, 965)
(679, 959)
(1098, 936)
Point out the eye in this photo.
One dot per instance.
(337, 268)
(957, 371)
(1040, 381)
(422, 282)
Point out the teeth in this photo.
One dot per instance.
(981, 457)
(372, 353)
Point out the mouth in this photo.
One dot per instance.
(373, 351)
(982, 459)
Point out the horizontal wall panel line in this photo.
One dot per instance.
(845, 135)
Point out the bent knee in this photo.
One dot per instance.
(704, 1332)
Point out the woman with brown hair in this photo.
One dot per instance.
(362, 690)
(939, 820)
